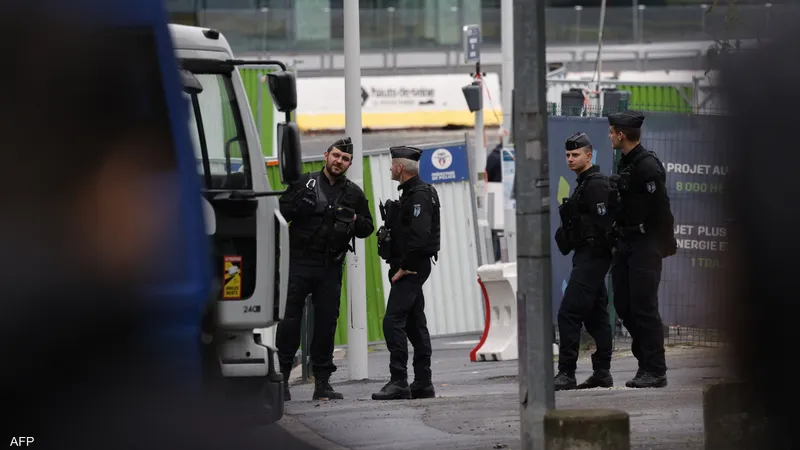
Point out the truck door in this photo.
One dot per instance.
(231, 169)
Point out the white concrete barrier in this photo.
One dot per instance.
(499, 340)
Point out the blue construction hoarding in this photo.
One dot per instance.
(696, 172)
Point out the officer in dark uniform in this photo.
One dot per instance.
(644, 233)
(327, 213)
(408, 241)
(585, 226)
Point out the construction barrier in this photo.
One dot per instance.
(499, 340)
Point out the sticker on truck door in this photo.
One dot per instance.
(232, 278)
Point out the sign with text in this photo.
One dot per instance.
(396, 102)
(472, 43)
(444, 164)
(696, 173)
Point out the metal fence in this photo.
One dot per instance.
(689, 146)
(309, 27)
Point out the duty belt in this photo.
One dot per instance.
(630, 230)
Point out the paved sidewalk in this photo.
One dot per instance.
(477, 404)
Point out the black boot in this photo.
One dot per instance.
(564, 381)
(324, 391)
(600, 378)
(394, 390)
(647, 380)
(422, 389)
(286, 394)
(639, 373)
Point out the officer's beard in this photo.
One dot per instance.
(334, 172)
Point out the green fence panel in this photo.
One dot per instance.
(659, 98)
(375, 304)
(250, 79)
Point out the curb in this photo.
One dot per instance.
(307, 435)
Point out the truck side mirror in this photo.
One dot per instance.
(289, 154)
(191, 85)
(283, 88)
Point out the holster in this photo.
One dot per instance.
(342, 234)
(392, 208)
(620, 181)
(563, 241)
(384, 243)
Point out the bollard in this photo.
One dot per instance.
(733, 418)
(587, 429)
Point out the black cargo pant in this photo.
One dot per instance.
(635, 276)
(585, 303)
(405, 321)
(324, 283)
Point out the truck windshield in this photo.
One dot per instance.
(217, 132)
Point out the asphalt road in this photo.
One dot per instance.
(316, 144)
(289, 433)
(477, 404)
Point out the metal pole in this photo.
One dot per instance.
(704, 7)
(600, 58)
(641, 22)
(485, 244)
(507, 44)
(480, 141)
(391, 37)
(635, 10)
(531, 180)
(264, 36)
(356, 275)
(578, 9)
(768, 7)
(473, 196)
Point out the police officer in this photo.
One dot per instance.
(408, 241)
(644, 233)
(327, 213)
(585, 226)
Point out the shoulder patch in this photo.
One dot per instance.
(417, 210)
(651, 186)
(601, 209)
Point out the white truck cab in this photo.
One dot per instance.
(249, 237)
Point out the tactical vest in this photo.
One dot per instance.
(625, 174)
(622, 183)
(399, 231)
(569, 210)
(335, 233)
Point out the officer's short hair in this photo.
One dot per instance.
(587, 148)
(408, 165)
(627, 122)
(632, 134)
